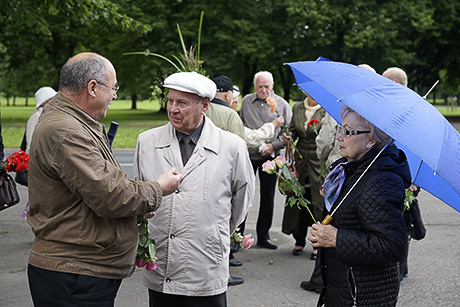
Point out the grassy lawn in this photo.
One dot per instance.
(132, 122)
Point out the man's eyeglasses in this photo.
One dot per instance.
(344, 132)
(114, 88)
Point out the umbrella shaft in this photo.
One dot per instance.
(327, 220)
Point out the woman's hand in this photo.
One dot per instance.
(286, 138)
(323, 235)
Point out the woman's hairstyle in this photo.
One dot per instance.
(380, 137)
(78, 72)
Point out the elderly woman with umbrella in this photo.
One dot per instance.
(366, 238)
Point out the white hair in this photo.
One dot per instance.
(265, 74)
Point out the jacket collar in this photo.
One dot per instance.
(220, 101)
(65, 105)
(209, 138)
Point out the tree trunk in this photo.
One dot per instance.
(134, 102)
(286, 81)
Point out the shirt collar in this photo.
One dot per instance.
(194, 136)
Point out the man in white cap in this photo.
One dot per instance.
(42, 96)
(192, 227)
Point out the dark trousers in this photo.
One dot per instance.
(52, 288)
(267, 196)
(316, 276)
(158, 299)
(304, 221)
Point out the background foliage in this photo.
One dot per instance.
(239, 38)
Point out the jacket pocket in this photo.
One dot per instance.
(214, 244)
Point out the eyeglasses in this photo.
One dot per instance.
(344, 132)
(114, 88)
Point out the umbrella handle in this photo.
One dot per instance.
(327, 220)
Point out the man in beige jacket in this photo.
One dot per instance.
(192, 227)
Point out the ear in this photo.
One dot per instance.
(91, 88)
(205, 104)
(229, 95)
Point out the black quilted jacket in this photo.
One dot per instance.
(371, 235)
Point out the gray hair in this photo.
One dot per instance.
(78, 72)
(266, 74)
(396, 74)
(380, 137)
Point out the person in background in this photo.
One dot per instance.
(219, 109)
(83, 209)
(42, 96)
(192, 227)
(236, 96)
(255, 112)
(306, 123)
(362, 245)
(399, 76)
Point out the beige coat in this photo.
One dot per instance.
(192, 227)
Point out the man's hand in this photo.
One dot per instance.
(268, 150)
(169, 181)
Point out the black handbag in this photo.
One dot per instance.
(9, 195)
(414, 222)
(22, 177)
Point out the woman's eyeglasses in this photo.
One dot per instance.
(344, 132)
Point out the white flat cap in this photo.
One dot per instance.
(44, 94)
(192, 82)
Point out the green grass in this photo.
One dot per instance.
(132, 122)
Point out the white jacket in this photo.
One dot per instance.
(192, 227)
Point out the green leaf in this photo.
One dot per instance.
(143, 241)
(152, 250)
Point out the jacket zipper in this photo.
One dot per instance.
(353, 287)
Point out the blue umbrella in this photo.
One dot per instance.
(430, 142)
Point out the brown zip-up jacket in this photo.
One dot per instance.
(82, 207)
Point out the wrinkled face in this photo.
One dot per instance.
(185, 110)
(263, 87)
(353, 147)
(106, 95)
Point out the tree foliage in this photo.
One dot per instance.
(238, 39)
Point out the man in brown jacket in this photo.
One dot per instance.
(82, 207)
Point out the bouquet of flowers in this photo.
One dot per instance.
(146, 250)
(237, 237)
(279, 167)
(16, 162)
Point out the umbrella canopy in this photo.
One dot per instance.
(430, 142)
